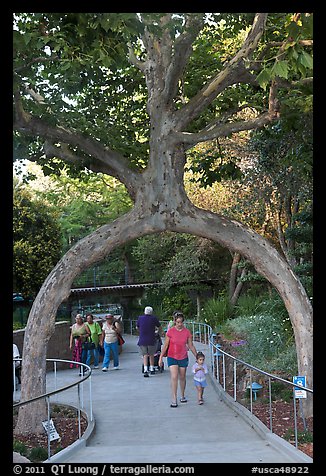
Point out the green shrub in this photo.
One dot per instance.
(59, 448)
(20, 448)
(38, 454)
(216, 312)
(268, 332)
(286, 361)
(247, 305)
(303, 437)
(281, 391)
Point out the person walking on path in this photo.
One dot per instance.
(109, 340)
(96, 331)
(17, 363)
(172, 321)
(147, 324)
(79, 334)
(199, 369)
(177, 341)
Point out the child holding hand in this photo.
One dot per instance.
(199, 369)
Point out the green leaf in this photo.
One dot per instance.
(27, 38)
(65, 65)
(306, 59)
(293, 30)
(280, 69)
(264, 77)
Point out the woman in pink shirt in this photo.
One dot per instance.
(177, 341)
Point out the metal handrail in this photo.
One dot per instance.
(47, 395)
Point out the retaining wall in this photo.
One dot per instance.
(58, 346)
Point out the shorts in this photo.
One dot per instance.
(147, 349)
(179, 363)
(201, 383)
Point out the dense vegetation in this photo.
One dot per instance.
(37, 242)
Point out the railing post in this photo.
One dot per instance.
(270, 405)
(78, 411)
(235, 380)
(48, 428)
(250, 380)
(14, 378)
(211, 349)
(55, 374)
(217, 366)
(90, 398)
(295, 419)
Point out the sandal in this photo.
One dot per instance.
(183, 400)
(174, 405)
(200, 402)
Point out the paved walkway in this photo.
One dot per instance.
(135, 424)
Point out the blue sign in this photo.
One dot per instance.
(301, 382)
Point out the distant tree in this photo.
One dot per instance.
(36, 242)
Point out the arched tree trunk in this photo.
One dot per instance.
(161, 205)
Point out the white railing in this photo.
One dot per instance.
(48, 395)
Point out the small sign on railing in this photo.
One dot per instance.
(51, 429)
(298, 392)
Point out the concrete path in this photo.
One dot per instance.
(135, 424)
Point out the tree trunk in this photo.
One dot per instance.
(238, 288)
(198, 303)
(235, 286)
(233, 274)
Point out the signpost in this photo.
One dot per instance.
(50, 429)
(299, 393)
(301, 382)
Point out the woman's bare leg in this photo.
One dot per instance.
(174, 371)
(182, 380)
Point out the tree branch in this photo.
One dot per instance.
(63, 152)
(134, 60)
(182, 52)
(106, 160)
(284, 83)
(230, 74)
(222, 130)
(256, 65)
(215, 130)
(40, 59)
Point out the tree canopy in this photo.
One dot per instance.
(76, 72)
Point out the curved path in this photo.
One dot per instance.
(135, 424)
